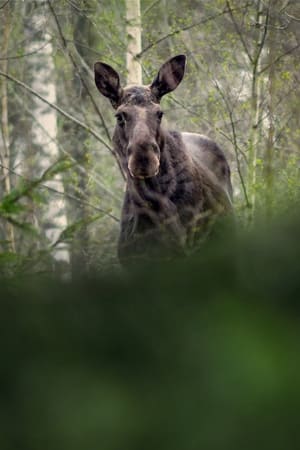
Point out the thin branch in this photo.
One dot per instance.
(237, 29)
(277, 104)
(297, 19)
(93, 176)
(80, 44)
(4, 4)
(291, 50)
(75, 6)
(231, 140)
(150, 7)
(19, 44)
(58, 109)
(187, 27)
(180, 103)
(82, 202)
(284, 6)
(235, 146)
(64, 194)
(66, 48)
(57, 23)
(26, 54)
(195, 113)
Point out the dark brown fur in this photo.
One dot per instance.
(177, 183)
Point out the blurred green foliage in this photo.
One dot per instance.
(195, 354)
(52, 46)
(200, 354)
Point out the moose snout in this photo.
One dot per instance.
(143, 161)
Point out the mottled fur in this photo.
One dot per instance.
(177, 183)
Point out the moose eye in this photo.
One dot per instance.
(120, 119)
(159, 115)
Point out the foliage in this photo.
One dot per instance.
(188, 355)
(200, 353)
(241, 89)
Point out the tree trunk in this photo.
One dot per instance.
(5, 148)
(134, 41)
(269, 151)
(44, 144)
(256, 107)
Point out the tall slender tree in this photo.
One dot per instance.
(134, 41)
(5, 150)
(44, 129)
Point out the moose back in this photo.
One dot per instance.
(177, 184)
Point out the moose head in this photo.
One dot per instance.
(138, 132)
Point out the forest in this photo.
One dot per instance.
(61, 187)
(196, 354)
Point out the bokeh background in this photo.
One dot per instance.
(60, 185)
(197, 354)
(194, 354)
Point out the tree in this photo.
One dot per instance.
(241, 88)
(134, 44)
(45, 151)
(5, 150)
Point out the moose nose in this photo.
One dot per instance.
(143, 147)
(143, 173)
(143, 163)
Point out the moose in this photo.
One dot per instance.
(177, 183)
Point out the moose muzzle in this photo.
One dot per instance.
(143, 160)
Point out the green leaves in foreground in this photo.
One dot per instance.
(11, 204)
(199, 354)
(68, 233)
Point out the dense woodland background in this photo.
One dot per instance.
(60, 185)
(199, 354)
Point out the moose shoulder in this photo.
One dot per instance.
(177, 183)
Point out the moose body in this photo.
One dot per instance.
(177, 183)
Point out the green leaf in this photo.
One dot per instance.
(68, 233)
(62, 165)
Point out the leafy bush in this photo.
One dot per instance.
(200, 354)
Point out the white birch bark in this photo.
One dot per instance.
(5, 147)
(134, 41)
(43, 81)
(256, 107)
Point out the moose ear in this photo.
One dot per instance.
(108, 82)
(169, 76)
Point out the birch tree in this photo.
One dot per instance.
(262, 16)
(5, 160)
(270, 139)
(241, 89)
(134, 41)
(44, 131)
